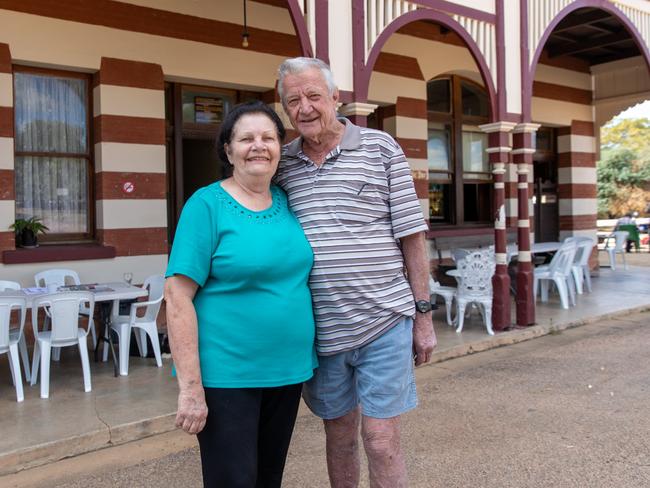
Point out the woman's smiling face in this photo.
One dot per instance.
(254, 149)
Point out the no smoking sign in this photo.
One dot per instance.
(128, 187)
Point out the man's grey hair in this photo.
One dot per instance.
(298, 65)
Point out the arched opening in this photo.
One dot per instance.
(590, 59)
(432, 95)
(460, 189)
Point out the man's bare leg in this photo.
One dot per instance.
(381, 440)
(342, 446)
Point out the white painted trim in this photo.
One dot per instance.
(357, 108)
(501, 126)
(7, 153)
(6, 90)
(131, 214)
(523, 150)
(500, 149)
(7, 215)
(123, 157)
(128, 101)
(523, 223)
(575, 143)
(499, 185)
(524, 257)
(526, 127)
(576, 175)
(578, 206)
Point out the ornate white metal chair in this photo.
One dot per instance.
(448, 293)
(65, 331)
(580, 269)
(558, 271)
(9, 340)
(145, 325)
(620, 239)
(63, 277)
(15, 334)
(475, 286)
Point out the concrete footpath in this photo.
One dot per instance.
(127, 409)
(566, 410)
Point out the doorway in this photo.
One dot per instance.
(545, 198)
(193, 119)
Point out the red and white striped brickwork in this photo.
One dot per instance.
(407, 122)
(7, 186)
(577, 179)
(130, 166)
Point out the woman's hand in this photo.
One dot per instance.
(192, 410)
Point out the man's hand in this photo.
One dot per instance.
(192, 410)
(424, 338)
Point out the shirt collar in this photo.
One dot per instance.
(351, 139)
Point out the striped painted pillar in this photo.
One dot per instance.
(498, 150)
(130, 157)
(7, 183)
(407, 122)
(577, 179)
(522, 153)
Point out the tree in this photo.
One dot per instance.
(621, 183)
(632, 134)
(624, 168)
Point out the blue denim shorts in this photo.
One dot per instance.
(379, 376)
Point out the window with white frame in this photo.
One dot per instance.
(460, 190)
(52, 152)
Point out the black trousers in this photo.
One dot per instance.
(246, 437)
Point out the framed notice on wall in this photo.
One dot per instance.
(208, 110)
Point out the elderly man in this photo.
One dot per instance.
(352, 190)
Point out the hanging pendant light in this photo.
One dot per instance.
(245, 35)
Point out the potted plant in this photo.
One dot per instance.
(27, 231)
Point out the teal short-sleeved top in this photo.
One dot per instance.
(253, 305)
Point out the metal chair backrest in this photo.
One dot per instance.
(9, 285)
(476, 271)
(56, 277)
(156, 285)
(64, 311)
(7, 304)
(563, 258)
(621, 240)
(459, 254)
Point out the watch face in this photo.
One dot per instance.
(423, 306)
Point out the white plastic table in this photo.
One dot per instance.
(106, 294)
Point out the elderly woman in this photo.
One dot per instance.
(239, 309)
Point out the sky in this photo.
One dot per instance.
(637, 112)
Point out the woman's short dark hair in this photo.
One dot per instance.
(237, 112)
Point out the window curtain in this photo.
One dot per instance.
(51, 123)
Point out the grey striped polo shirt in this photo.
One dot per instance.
(353, 208)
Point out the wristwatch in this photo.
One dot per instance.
(423, 306)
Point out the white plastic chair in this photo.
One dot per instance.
(620, 237)
(475, 286)
(9, 340)
(145, 325)
(57, 277)
(448, 293)
(558, 271)
(65, 331)
(580, 269)
(15, 334)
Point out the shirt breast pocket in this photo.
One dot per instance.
(361, 205)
